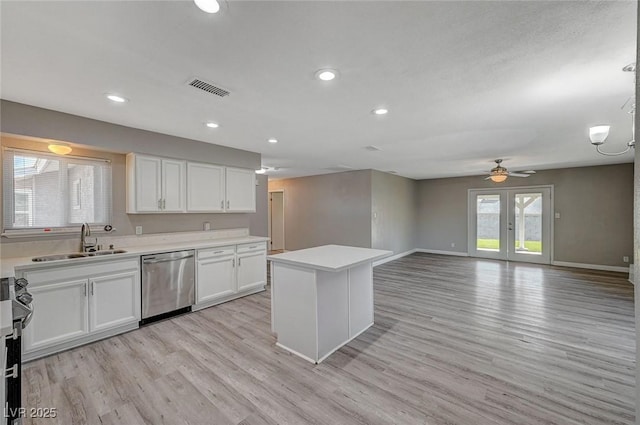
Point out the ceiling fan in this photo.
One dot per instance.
(498, 174)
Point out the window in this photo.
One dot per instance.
(43, 191)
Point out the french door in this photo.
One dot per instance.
(511, 224)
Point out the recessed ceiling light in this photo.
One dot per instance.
(116, 98)
(380, 111)
(212, 125)
(272, 140)
(209, 6)
(326, 74)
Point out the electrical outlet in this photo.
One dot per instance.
(207, 225)
(557, 215)
(453, 244)
(138, 230)
(625, 259)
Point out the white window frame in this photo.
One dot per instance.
(8, 202)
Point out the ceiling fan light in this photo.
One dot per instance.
(498, 178)
(598, 134)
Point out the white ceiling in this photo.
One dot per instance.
(465, 82)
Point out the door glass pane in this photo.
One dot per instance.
(528, 223)
(488, 223)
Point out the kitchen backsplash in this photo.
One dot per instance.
(44, 247)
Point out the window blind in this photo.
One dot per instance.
(45, 191)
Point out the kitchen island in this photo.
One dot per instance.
(322, 298)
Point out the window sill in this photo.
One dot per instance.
(58, 231)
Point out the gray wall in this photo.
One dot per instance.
(36, 122)
(259, 221)
(636, 231)
(394, 212)
(25, 120)
(595, 203)
(327, 209)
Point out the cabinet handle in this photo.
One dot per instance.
(92, 285)
(239, 262)
(233, 262)
(227, 204)
(85, 290)
(218, 252)
(221, 205)
(164, 204)
(159, 204)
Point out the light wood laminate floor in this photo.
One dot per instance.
(455, 341)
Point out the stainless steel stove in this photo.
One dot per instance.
(22, 311)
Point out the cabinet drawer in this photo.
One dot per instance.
(258, 246)
(57, 273)
(216, 252)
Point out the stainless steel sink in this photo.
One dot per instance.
(106, 252)
(77, 255)
(58, 257)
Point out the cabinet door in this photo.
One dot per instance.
(205, 188)
(241, 190)
(59, 314)
(148, 183)
(216, 278)
(173, 185)
(252, 270)
(115, 300)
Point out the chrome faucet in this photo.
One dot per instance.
(86, 243)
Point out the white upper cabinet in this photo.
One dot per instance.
(241, 190)
(147, 175)
(173, 185)
(205, 188)
(155, 184)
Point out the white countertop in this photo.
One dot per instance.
(331, 258)
(9, 266)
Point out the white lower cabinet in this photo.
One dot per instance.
(78, 304)
(115, 300)
(60, 314)
(252, 270)
(216, 275)
(230, 272)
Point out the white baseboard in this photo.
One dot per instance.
(591, 266)
(435, 251)
(393, 257)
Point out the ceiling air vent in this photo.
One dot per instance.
(208, 87)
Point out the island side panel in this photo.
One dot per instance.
(294, 309)
(360, 298)
(333, 311)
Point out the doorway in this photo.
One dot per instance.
(276, 221)
(511, 224)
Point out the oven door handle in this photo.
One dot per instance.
(12, 372)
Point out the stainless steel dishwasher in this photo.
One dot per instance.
(168, 284)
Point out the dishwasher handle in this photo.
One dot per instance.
(153, 260)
